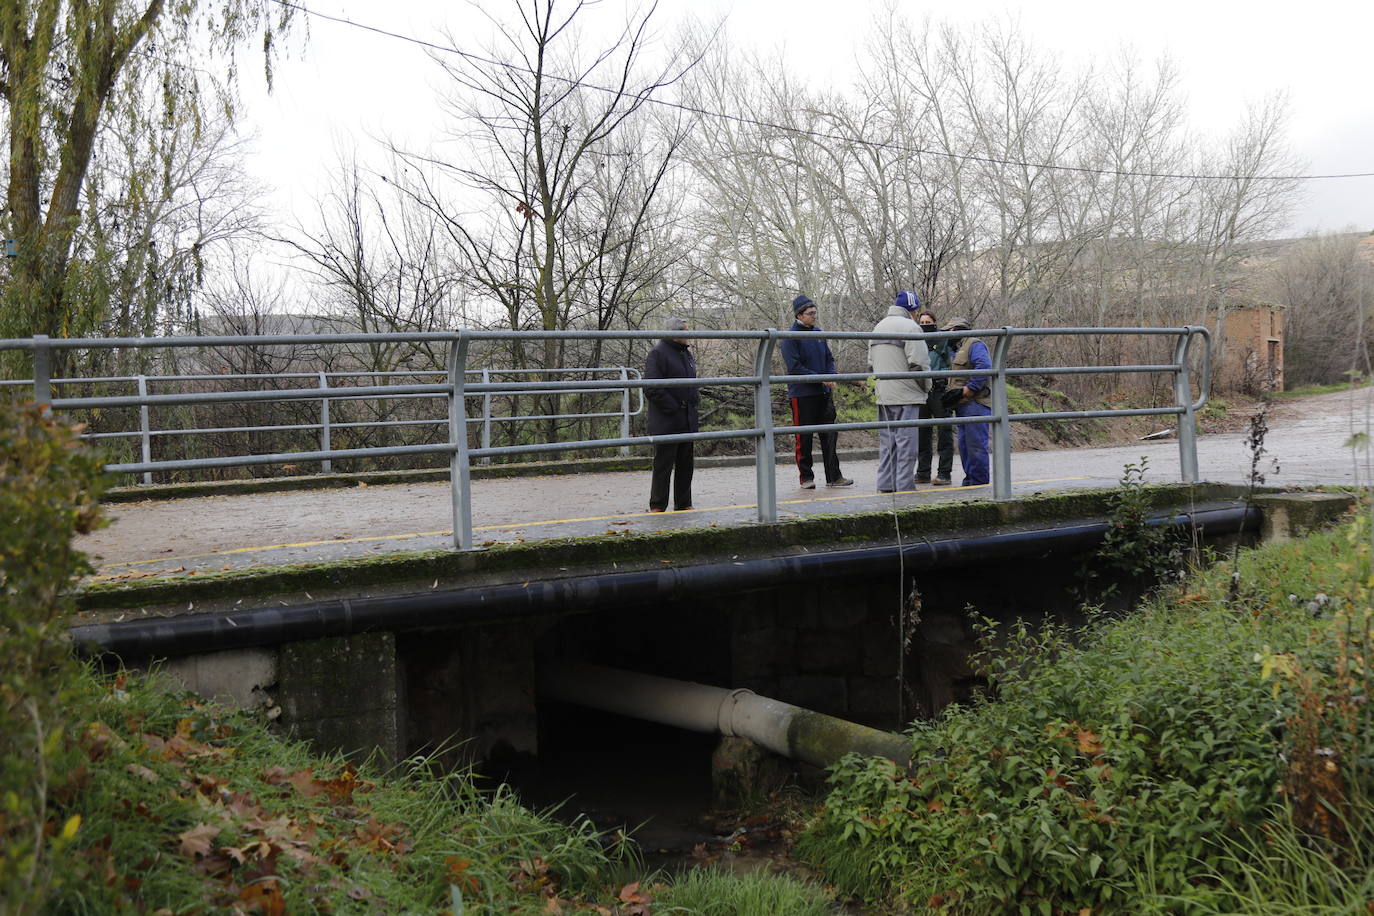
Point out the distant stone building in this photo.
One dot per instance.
(1252, 349)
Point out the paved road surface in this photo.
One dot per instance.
(1306, 445)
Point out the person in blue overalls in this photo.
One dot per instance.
(970, 395)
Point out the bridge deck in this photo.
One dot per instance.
(216, 533)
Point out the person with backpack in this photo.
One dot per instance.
(943, 451)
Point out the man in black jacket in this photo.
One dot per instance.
(672, 410)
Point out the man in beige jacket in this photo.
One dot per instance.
(899, 399)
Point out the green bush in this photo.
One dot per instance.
(47, 493)
(855, 404)
(1019, 401)
(1215, 409)
(1117, 762)
(1137, 553)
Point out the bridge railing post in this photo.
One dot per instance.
(765, 451)
(1001, 424)
(624, 412)
(459, 472)
(486, 416)
(326, 465)
(145, 433)
(42, 373)
(1183, 398)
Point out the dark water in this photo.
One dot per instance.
(654, 782)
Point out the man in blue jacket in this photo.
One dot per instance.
(813, 403)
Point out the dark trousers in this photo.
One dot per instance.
(673, 460)
(944, 442)
(813, 410)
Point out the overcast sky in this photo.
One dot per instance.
(348, 85)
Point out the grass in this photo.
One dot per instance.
(714, 893)
(1208, 754)
(169, 803)
(180, 803)
(1306, 390)
(1287, 875)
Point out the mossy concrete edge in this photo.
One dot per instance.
(555, 558)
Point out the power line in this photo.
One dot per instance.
(813, 134)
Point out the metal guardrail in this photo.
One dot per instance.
(146, 431)
(457, 389)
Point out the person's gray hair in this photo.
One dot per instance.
(675, 323)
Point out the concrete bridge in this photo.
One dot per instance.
(852, 605)
(346, 612)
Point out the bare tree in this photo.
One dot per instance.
(561, 197)
(162, 203)
(380, 265)
(632, 238)
(761, 232)
(1326, 283)
(1245, 207)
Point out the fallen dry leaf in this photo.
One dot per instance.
(142, 772)
(197, 841)
(99, 738)
(1089, 742)
(265, 897)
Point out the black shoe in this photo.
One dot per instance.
(838, 482)
(923, 478)
(942, 481)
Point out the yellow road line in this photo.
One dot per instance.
(538, 524)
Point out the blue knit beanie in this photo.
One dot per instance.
(801, 303)
(908, 301)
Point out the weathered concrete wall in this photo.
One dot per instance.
(246, 678)
(831, 647)
(883, 651)
(468, 693)
(1292, 515)
(837, 646)
(1252, 354)
(471, 692)
(344, 694)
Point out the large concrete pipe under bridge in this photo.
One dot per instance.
(799, 734)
